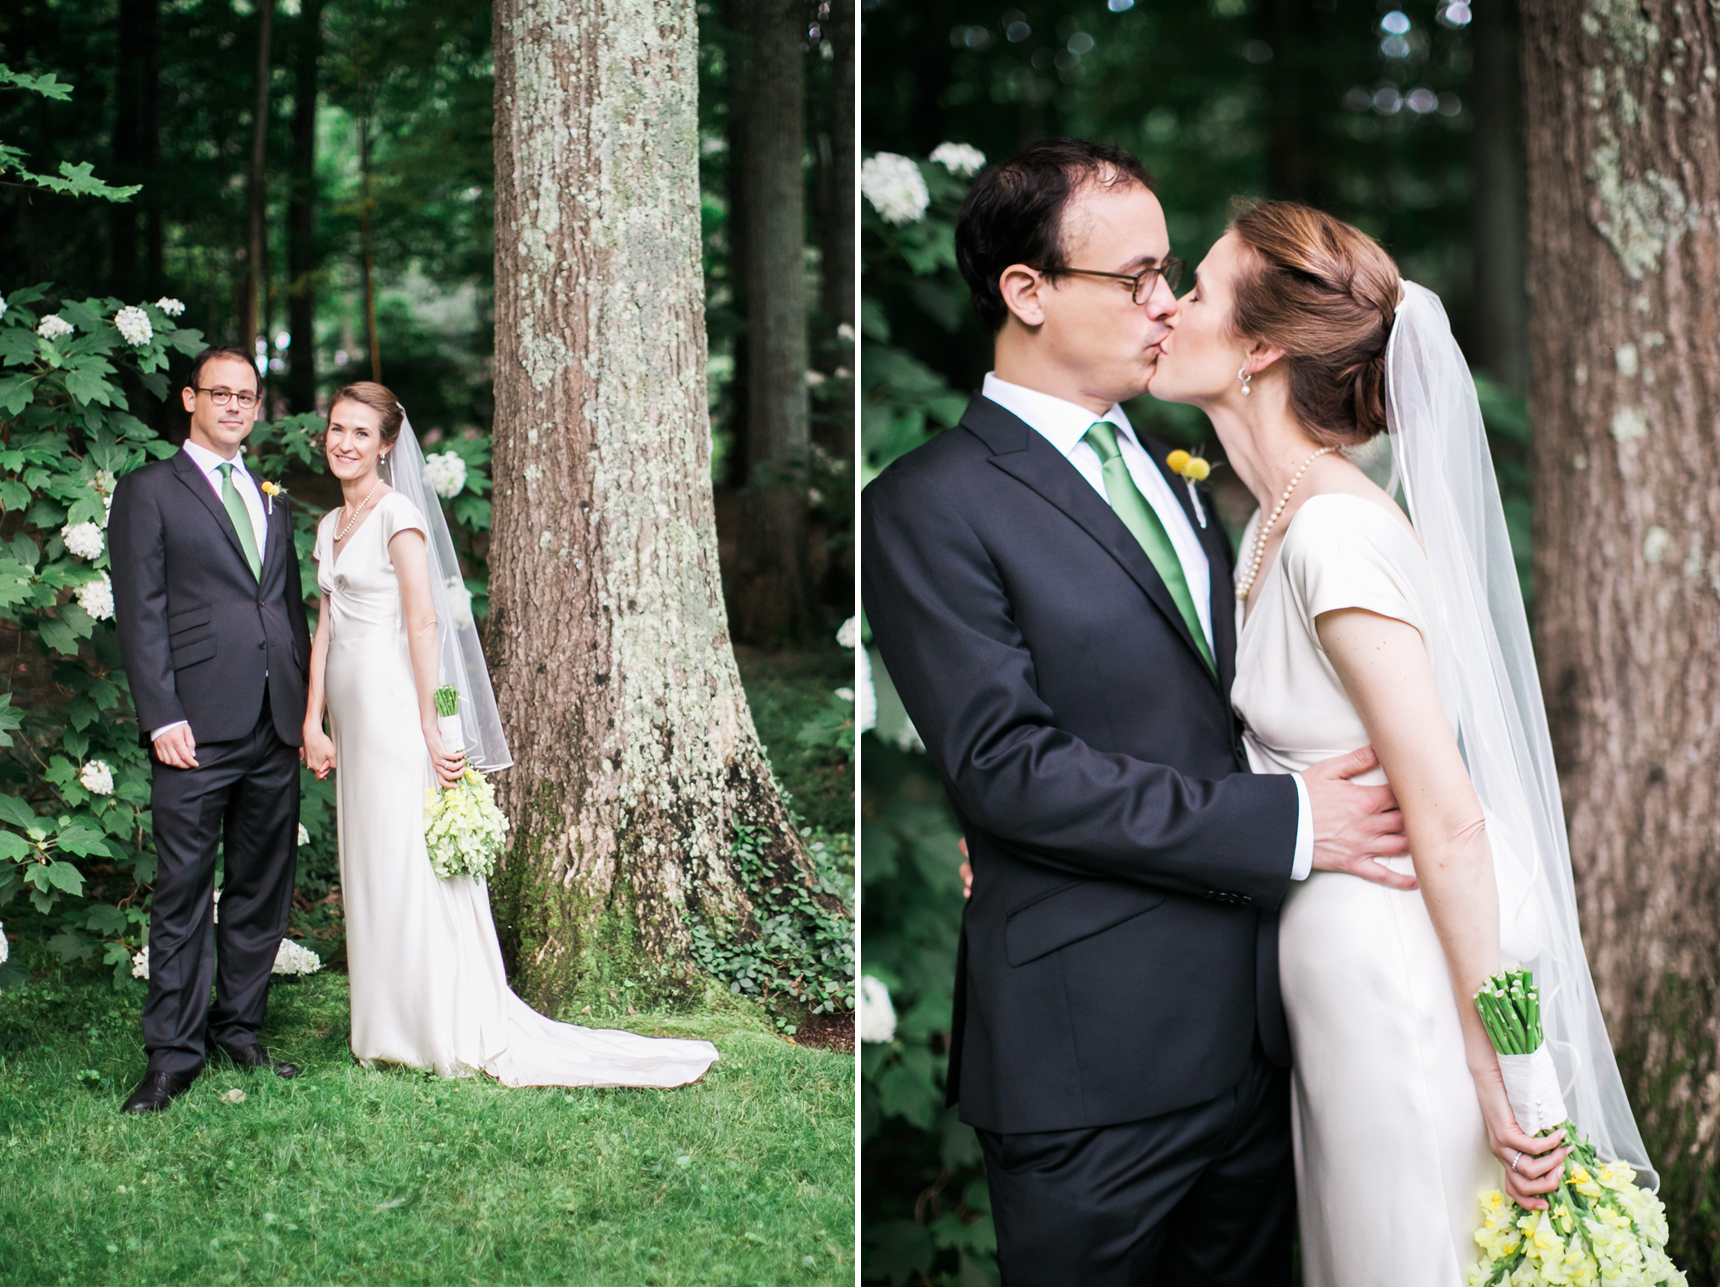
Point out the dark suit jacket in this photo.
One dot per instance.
(1119, 953)
(197, 630)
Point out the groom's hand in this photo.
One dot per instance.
(176, 748)
(1353, 824)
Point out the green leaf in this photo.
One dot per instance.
(15, 847)
(12, 809)
(66, 878)
(17, 345)
(59, 636)
(13, 494)
(76, 838)
(48, 85)
(60, 771)
(72, 945)
(88, 385)
(16, 392)
(106, 919)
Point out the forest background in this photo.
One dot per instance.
(318, 179)
(1415, 121)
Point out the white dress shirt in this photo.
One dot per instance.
(249, 492)
(1064, 425)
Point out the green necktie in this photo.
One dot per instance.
(241, 520)
(1139, 517)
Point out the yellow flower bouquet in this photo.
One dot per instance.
(463, 828)
(1599, 1228)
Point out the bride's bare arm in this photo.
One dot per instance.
(412, 568)
(1385, 669)
(319, 747)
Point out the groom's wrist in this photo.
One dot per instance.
(165, 729)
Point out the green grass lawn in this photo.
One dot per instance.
(348, 1176)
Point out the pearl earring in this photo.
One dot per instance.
(1245, 376)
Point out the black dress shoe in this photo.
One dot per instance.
(156, 1091)
(252, 1055)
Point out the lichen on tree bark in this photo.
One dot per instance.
(1623, 138)
(635, 755)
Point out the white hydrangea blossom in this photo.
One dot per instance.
(2, 314)
(172, 307)
(53, 326)
(895, 187)
(96, 598)
(140, 963)
(304, 836)
(5, 948)
(866, 699)
(82, 539)
(877, 1015)
(459, 603)
(845, 332)
(446, 472)
(961, 159)
(133, 324)
(849, 635)
(97, 777)
(290, 958)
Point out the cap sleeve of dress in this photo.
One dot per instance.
(401, 515)
(1346, 552)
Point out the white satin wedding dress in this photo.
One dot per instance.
(428, 987)
(1391, 1151)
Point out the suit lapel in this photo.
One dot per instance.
(1028, 457)
(197, 482)
(1219, 563)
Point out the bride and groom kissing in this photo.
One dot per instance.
(230, 691)
(1206, 1002)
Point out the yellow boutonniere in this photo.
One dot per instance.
(272, 490)
(1193, 470)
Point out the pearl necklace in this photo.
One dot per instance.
(1251, 569)
(341, 536)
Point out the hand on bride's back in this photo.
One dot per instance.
(1353, 824)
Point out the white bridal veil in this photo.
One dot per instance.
(462, 655)
(1481, 651)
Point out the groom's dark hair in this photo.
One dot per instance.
(210, 354)
(1014, 213)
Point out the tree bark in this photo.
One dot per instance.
(1500, 328)
(1624, 191)
(770, 596)
(257, 231)
(302, 257)
(839, 225)
(736, 14)
(136, 151)
(368, 283)
(635, 757)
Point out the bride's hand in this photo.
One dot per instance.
(1533, 1164)
(449, 765)
(318, 752)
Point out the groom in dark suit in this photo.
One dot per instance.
(211, 621)
(1055, 609)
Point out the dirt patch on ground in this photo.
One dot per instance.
(827, 1032)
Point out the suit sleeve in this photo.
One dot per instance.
(940, 613)
(137, 554)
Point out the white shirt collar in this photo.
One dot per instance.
(1063, 424)
(210, 463)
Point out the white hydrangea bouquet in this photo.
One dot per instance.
(463, 828)
(1599, 1229)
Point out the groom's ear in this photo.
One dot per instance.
(1020, 286)
(188, 398)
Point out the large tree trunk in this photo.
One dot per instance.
(770, 594)
(635, 757)
(302, 256)
(735, 15)
(136, 151)
(1500, 328)
(1625, 281)
(840, 219)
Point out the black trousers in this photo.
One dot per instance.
(1203, 1195)
(244, 794)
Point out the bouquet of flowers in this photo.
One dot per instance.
(1599, 1229)
(463, 828)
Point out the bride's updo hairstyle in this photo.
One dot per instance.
(380, 400)
(1325, 293)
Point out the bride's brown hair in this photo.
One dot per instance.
(1326, 293)
(380, 400)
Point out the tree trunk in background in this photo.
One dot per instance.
(635, 756)
(1297, 90)
(1624, 190)
(1500, 326)
(257, 240)
(372, 341)
(302, 257)
(735, 19)
(839, 225)
(136, 152)
(770, 589)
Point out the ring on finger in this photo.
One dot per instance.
(1518, 1158)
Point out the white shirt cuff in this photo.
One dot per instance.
(1304, 862)
(181, 723)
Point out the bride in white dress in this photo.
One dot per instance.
(1357, 628)
(428, 987)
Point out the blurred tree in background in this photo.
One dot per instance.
(1400, 118)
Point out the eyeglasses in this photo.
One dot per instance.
(221, 397)
(1170, 270)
